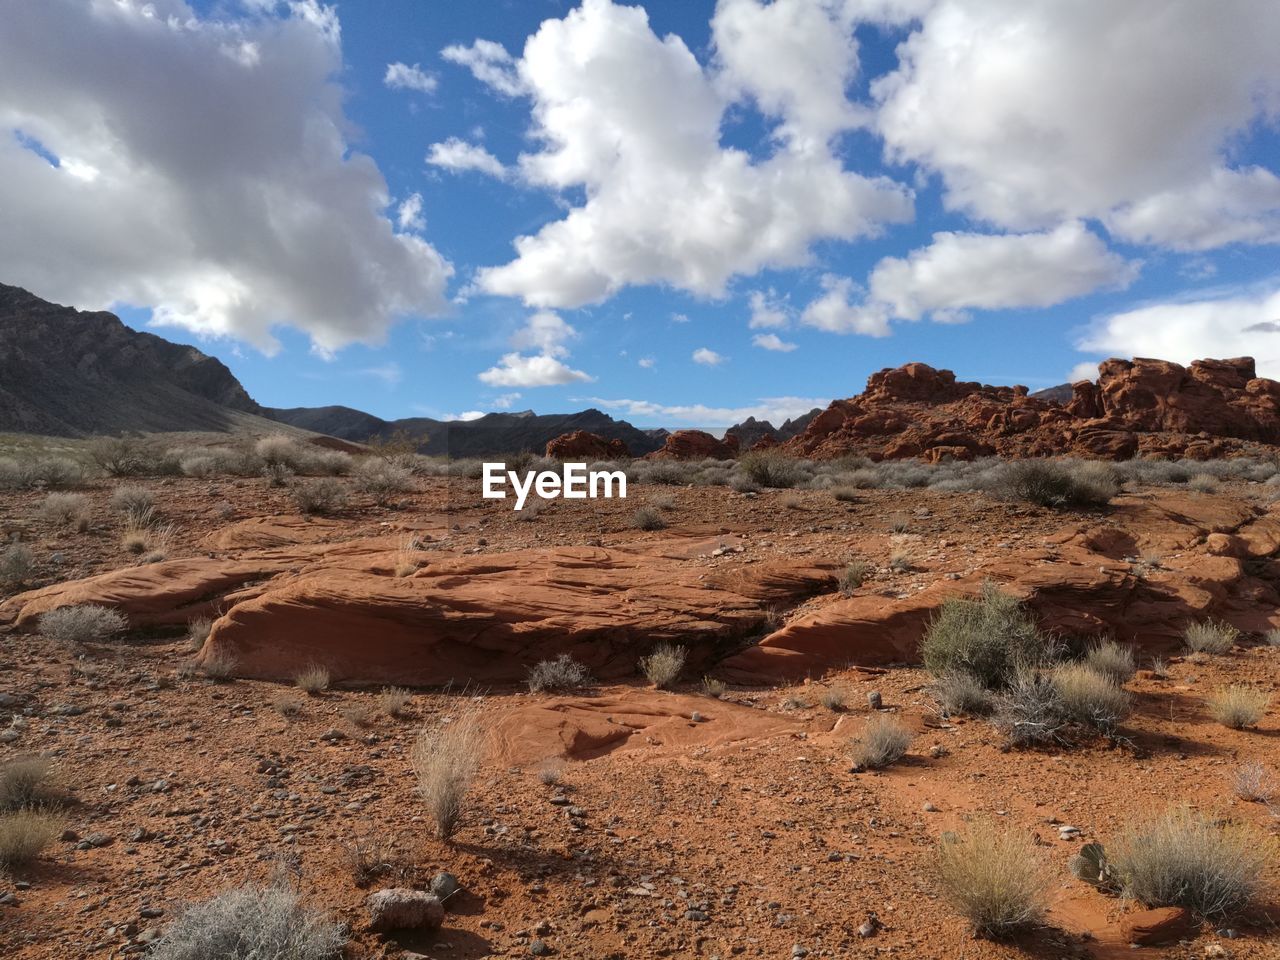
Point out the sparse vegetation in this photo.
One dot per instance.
(218, 667)
(959, 691)
(990, 638)
(901, 561)
(136, 504)
(1090, 698)
(29, 782)
(198, 631)
(1204, 483)
(312, 679)
(993, 878)
(24, 835)
(1184, 859)
(647, 518)
(251, 923)
(445, 759)
(324, 495)
(1210, 636)
(562, 673)
(357, 714)
(770, 469)
(288, 705)
(86, 623)
(67, 510)
(367, 859)
(394, 701)
(1272, 637)
(884, 740)
(1057, 484)
(1112, 659)
(713, 688)
(663, 666)
(382, 480)
(835, 699)
(1253, 783)
(17, 564)
(1029, 711)
(1238, 706)
(853, 576)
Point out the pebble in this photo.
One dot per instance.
(874, 700)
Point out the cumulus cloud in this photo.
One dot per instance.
(771, 341)
(457, 155)
(842, 309)
(409, 213)
(646, 363)
(1035, 113)
(776, 410)
(547, 333)
(1085, 370)
(767, 310)
(223, 194)
(995, 271)
(1223, 324)
(707, 357)
(633, 122)
(401, 76)
(490, 63)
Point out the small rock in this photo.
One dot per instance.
(444, 886)
(874, 700)
(539, 948)
(399, 908)
(799, 951)
(930, 807)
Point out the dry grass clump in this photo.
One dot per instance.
(358, 715)
(29, 782)
(990, 638)
(288, 705)
(713, 688)
(142, 535)
(67, 510)
(1051, 483)
(562, 673)
(219, 667)
(133, 501)
(1183, 859)
(1253, 783)
(1237, 706)
(24, 835)
(445, 759)
(1272, 637)
(251, 923)
(1210, 636)
(198, 632)
(884, 741)
(1204, 483)
(647, 518)
(853, 576)
(17, 564)
(1090, 698)
(993, 878)
(771, 469)
(394, 701)
(367, 859)
(958, 691)
(1030, 712)
(1112, 659)
(902, 561)
(324, 495)
(663, 666)
(313, 679)
(85, 623)
(382, 480)
(835, 699)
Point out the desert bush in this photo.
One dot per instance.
(1050, 483)
(134, 502)
(991, 638)
(66, 510)
(1237, 706)
(17, 564)
(562, 673)
(141, 534)
(119, 456)
(25, 834)
(199, 466)
(445, 759)
(1029, 710)
(382, 480)
(1204, 483)
(834, 699)
(1183, 859)
(768, 468)
(844, 494)
(663, 666)
(198, 632)
(883, 741)
(324, 495)
(28, 782)
(1112, 659)
(219, 667)
(358, 715)
(54, 473)
(251, 923)
(85, 623)
(312, 679)
(1090, 698)
(394, 701)
(993, 878)
(1253, 783)
(277, 474)
(287, 705)
(671, 473)
(647, 518)
(1210, 636)
(713, 688)
(853, 576)
(367, 858)
(279, 449)
(961, 692)
(902, 561)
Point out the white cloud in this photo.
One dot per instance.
(1226, 324)
(545, 332)
(454, 154)
(646, 363)
(991, 272)
(540, 370)
(227, 196)
(774, 409)
(679, 318)
(1084, 370)
(767, 310)
(464, 416)
(771, 341)
(1034, 113)
(504, 401)
(841, 310)
(388, 373)
(490, 63)
(633, 121)
(409, 213)
(401, 76)
(707, 357)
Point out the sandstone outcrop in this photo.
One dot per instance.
(696, 445)
(582, 445)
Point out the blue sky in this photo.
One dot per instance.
(764, 202)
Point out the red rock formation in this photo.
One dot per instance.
(1210, 409)
(696, 445)
(583, 445)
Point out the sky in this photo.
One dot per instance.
(683, 213)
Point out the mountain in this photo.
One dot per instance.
(751, 431)
(64, 372)
(1062, 393)
(491, 435)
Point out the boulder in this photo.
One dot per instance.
(696, 445)
(399, 908)
(583, 445)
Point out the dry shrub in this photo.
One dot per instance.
(198, 632)
(357, 714)
(663, 666)
(393, 701)
(884, 741)
(287, 705)
(67, 510)
(1050, 483)
(29, 782)
(647, 518)
(835, 699)
(251, 923)
(17, 564)
(1253, 783)
(367, 859)
(445, 760)
(383, 480)
(325, 495)
(845, 494)
(854, 575)
(1183, 859)
(25, 834)
(551, 772)
(993, 878)
(1090, 698)
(1030, 712)
(1237, 706)
(1112, 659)
(769, 468)
(219, 667)
(713, 688)
(313, 679)
(1272, 637)
(902, 561)
(562, 673)
(961, 692)
(133, 501)
(1211, 636)
(81, 624)
(991, 638)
